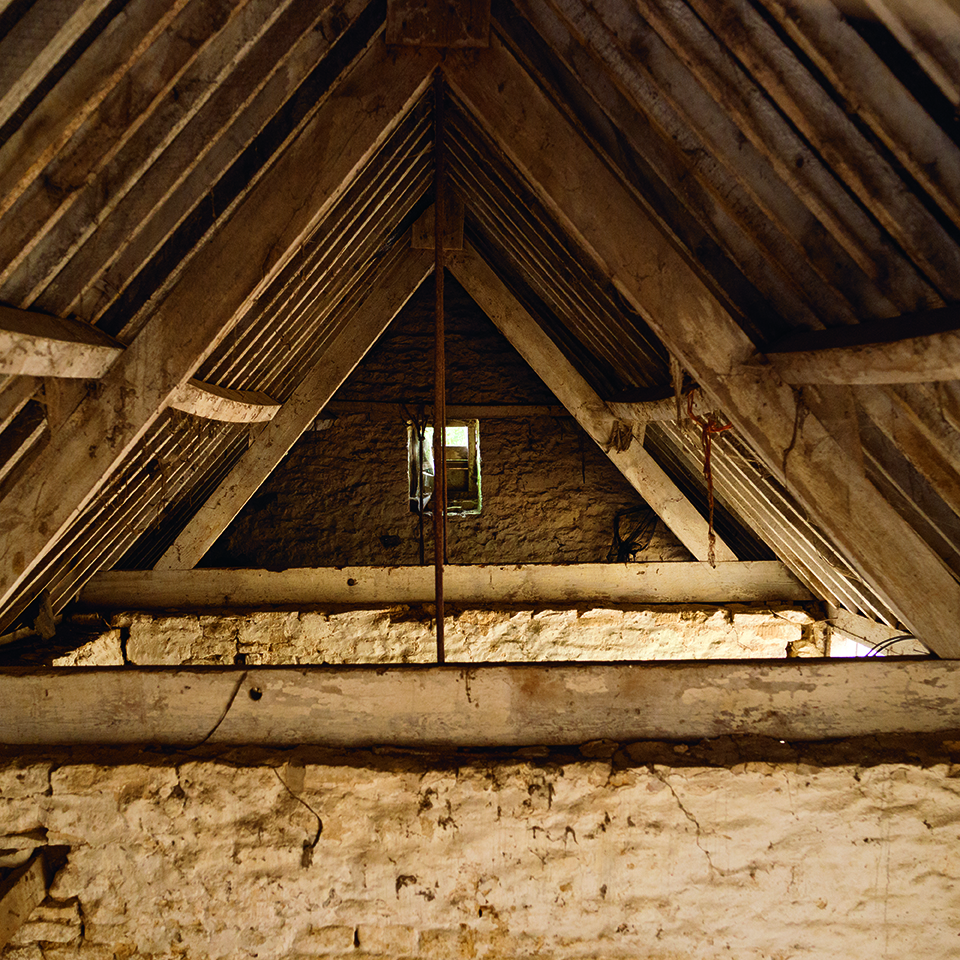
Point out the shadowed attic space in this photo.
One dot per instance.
(340, 497)
(217, 262)
(634, 250)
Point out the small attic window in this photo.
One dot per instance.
(463, 467)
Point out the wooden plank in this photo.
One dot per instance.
(873, 89)
(455, 411)
(274, 47)
(643, 473)
(215, 290)
(79, 93)
(477, 706)
(41, 346)
(300, 410)
(20, 894)
(756, 581)
(15, 395)
(829, 156)
(918, 348)
(221, 403)
(452, 227)
(438, 23)
(35, 45)
(630, 247)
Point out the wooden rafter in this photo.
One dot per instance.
(382, 304)
(212, 293)
(643, 473)
(614, 229)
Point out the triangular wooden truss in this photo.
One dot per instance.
(285, 211)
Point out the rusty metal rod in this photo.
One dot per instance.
(440, 391)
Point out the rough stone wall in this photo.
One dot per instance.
(340, 497)
(405, 634)
(648, 851)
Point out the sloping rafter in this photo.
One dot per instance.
(300, 410)
(546, 359)
(617, 231)
(212, 293)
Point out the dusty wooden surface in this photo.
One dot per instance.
(452, 705)
(675, 582)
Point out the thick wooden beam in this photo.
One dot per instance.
(438, 23)
(211, 402)
(422, 237)
(20, 894)
(631, 247)
(477, 706)
(382, 304)
(911, 349)
(42, 346)
(546, 359)
(758, 581)
(213, 292)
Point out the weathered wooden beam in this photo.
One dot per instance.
(643, 473)
(213, 292)
(478, 706)
(20, 894)
(757, 581)
(382, 304)
(422, 237)
(41, 346)
(911, 349)
(35, 45)
(629, 246)
(455, 411)
(438, 23)
(211, 402)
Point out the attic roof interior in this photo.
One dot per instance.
(208, 214)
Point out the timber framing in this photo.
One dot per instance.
(641, 471)
(37, 345)
(631, 247)
(759, 581)
(477, 705)
(209, 298)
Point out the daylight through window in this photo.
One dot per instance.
(463, 467)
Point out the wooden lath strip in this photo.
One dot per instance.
(597, 209)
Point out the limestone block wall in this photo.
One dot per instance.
(654, 851)
(405, 634)
(341, 496)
